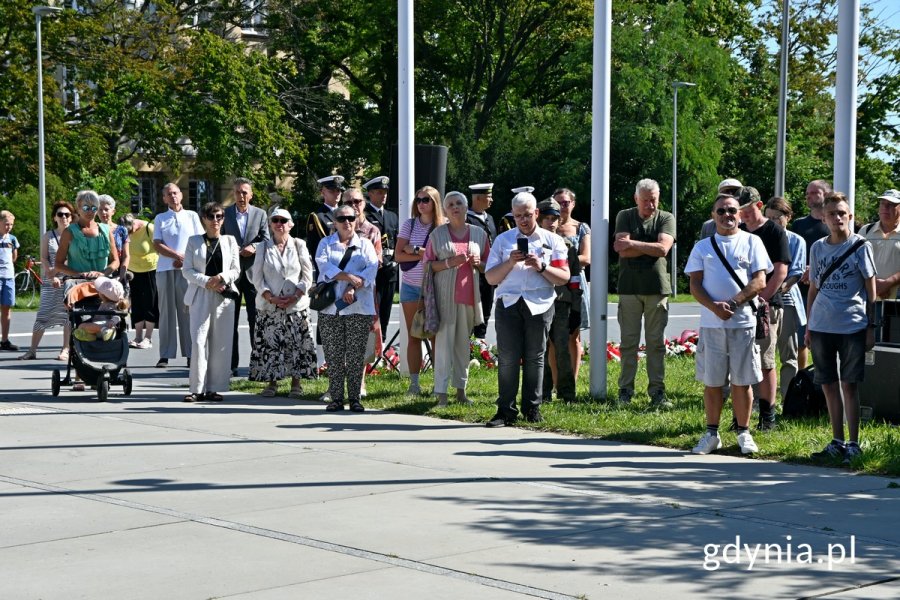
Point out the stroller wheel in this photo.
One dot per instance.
(126, 382)
(103, 386)
(55, 382)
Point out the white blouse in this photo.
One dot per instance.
(363, 263)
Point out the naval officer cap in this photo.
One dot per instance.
(482, 188)
(334, 182)
(525, 188)
(378, 183)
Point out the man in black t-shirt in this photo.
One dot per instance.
(811, 228)
(775, 241)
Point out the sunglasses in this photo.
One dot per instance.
(216, 217)
(424, 200)
(345, 219)
(729, 211)
(354, 201)
(65, 215)
(279, 220)
(89, 208)
(566, 202)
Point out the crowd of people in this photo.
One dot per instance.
(763, 288)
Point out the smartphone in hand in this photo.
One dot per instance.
(522, 245)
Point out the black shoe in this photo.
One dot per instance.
(334, 406)
(356, 406)
(9, 347)
(766, 424)
(162, 363)
(534, 416)
(499, 420)
(189, 362)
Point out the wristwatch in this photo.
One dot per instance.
(416, 249)
(543, 267)
(732, 305)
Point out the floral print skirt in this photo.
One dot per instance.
(283, 346)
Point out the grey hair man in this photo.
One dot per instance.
(249, 225)
(643, 237)
(525, 264)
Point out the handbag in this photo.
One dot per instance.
(425, 322)
(409, 265)
(761, 310)
(324, 294)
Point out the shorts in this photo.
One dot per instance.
(7, 292)
(827, 347)
(768, 344)
(410, 293)
(724, 353)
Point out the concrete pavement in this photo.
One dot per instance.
(260, 498)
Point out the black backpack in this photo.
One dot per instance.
(804, 398)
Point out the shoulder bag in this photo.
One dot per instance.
(324, 294)
(761, 310)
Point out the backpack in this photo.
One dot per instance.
(804, 398)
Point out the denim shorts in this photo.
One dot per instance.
(410, 293)
(850, 347)
(7, 292)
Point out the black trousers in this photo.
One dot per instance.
(247, 291)
(385, 287)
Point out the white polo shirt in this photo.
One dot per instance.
(523, 282)
(174, 229)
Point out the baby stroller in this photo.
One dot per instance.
(98, 363)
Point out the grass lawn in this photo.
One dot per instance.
(680, 428)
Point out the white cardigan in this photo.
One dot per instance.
(271, 269)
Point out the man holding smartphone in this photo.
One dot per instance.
(526, 263)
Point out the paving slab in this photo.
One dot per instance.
(147, 497)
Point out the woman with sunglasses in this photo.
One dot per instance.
(353, 197)
(427, 213)
(282, 274)
(52, 310)
(579, 234)
(86, 248)
(211, 267)
(349, 260)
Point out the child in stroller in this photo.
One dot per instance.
(112, 298)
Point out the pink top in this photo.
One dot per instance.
(465, 278)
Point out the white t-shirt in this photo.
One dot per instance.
(747, 255)
(174, 229)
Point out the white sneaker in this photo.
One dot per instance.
(708, 443)
(746, 443)
(145, 344)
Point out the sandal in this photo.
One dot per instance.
(213, 397)
(63, 355)
(78, 387)
(193, 398)
(334, 406)
(356, 406)
(296, 392)
(269, 391)
(29, 355)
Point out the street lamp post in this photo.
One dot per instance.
(40, 11)
(674, 266)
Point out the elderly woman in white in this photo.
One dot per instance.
(457, 253)
(345, 324)
(282, 274)
(210, 267)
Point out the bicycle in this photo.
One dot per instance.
(27, 282)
